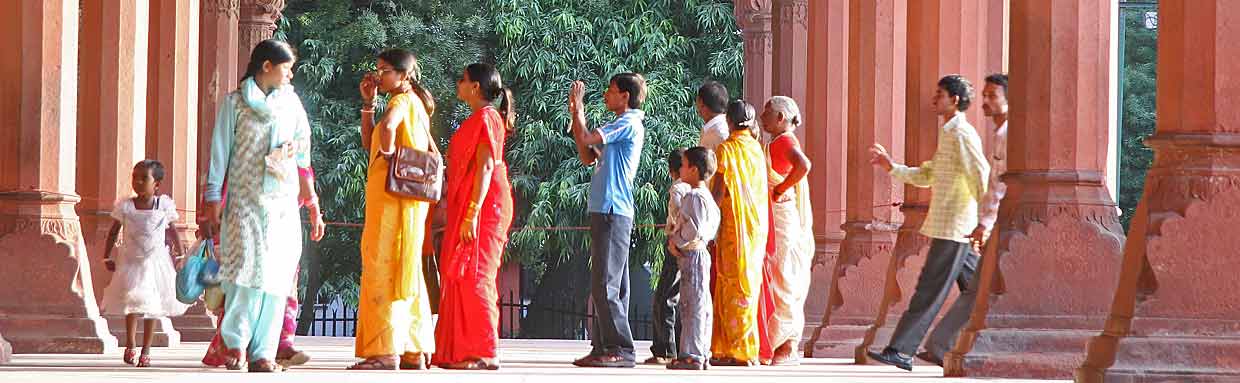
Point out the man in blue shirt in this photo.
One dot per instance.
(614, 150)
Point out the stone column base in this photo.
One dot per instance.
(57, 334)
(1022, 353)
(854, 291)
(197, 325)
(49, 304)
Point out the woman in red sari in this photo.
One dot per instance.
(479, 209)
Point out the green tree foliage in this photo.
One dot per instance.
(1140, 57)
(539, 46)
(543, 45)
(337, 42)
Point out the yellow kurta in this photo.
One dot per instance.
(741, 247)
(394, 312)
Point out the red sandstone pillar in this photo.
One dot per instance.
(110, 126)
(945, 37)
(217, 69)
(826, 141)
(790, 56)
(754, 19)
(876, 86)
(48, 305)
(257, 23)
(172, 137)
(1174, 316)
(1058, 233)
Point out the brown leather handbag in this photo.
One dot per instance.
(416, 174)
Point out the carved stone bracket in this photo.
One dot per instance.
(228, 8)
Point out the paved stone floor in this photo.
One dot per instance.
(523, 361)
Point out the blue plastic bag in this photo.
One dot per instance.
(200, 271)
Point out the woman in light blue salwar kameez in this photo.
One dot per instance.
(261, 137)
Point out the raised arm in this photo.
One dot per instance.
(582, 137)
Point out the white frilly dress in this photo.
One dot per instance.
(145, 278)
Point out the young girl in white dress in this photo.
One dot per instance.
(144, 283)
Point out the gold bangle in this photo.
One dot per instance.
(371, 110)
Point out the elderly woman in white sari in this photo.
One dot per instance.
(791, 251)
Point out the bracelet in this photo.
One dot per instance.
(370, 111)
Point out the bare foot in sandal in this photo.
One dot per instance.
(472, 364)
(415, 361)
(386, 362)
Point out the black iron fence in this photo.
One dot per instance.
(340, 320)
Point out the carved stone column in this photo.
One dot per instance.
(826, 143)
(941, 42)
(217, 68)
(790, 55)
(876, 86)
(49, 304)
(111, 126)
(1174, 316)
(257, 23)
(754, 19)
(1058, 231)
(172, 99)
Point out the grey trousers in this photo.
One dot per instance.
(666, 296)
(946, 262)
(945, 333)
(609, 284)
(695, 305)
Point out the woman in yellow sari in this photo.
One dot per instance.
(394, 314)
(740, 186)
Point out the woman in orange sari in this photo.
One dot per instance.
(479, 210)
(740, 186)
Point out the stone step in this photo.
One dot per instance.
(1006, 340)
(1024, 365)
(38, 325)
(62, 344)
(836, 341)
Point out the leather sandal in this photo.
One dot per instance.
(471, 364)
(376, 363)
(264, 365)
(415, 361)
(144, 360)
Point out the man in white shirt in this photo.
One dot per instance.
(712, 99)
(995, 106)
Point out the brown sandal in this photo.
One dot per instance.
(264, 365)
(687, 364)
(415, 361)
(472, 364)
(377, 363)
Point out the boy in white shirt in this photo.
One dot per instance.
(697, 223)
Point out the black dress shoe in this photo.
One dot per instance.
(893, 358)
(930, 358)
